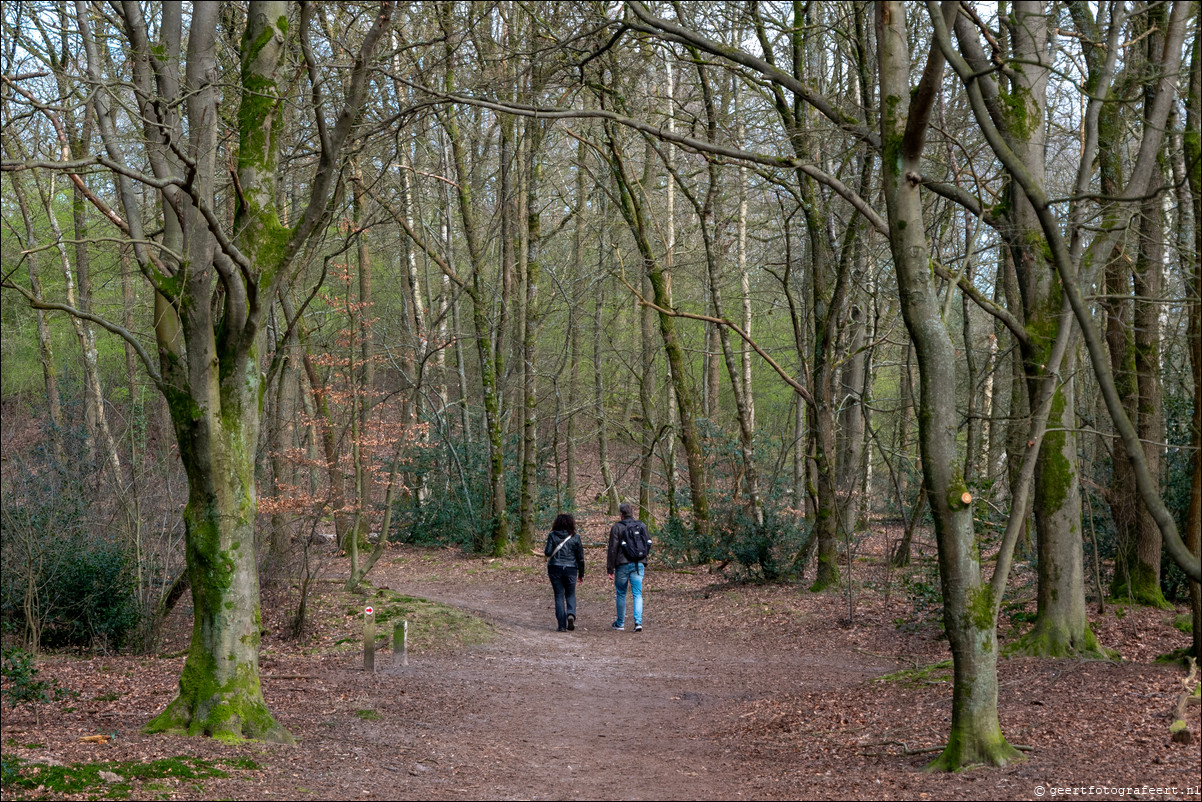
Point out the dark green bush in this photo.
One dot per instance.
(81, 572)
(678, 543)
(23, 687)
(91, 596)
(1178, 476)
(770, 552)
(456, 511)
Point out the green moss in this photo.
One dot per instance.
(1178, 657)
(259, 100)
(368, 715)
(1184, 623)
(964, 751)
(431, 625)
(229, 711)
(1056, 475)
(980, 607)
(136, 777)
(934, 674)
(1053, 639)
(1020, 114)
(827, 574)
(182, 406)
(1139, 584)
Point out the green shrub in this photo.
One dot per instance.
(457, 512)
(773, 551)
(22, 686)
(454, 514)
(77, 577)
(678, 543)
(91, 596)
(1178, 476)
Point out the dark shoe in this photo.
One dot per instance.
(638, 627)
(618, 626)
(571, 622)
(561, 629)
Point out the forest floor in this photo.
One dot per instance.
(733, 691)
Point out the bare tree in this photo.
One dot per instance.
(212, 280)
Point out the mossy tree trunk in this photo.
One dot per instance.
(636, 219)
(489, 352)
(1148, 278)
(1132, 339)
(1067, 251)
(1193, 165)
(705, 209)
(535, 131)
(976, 735)
(1061, 626)
(211, 286)
(827, 289)
(219, 689)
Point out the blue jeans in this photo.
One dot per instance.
(563, 581)
(632, 573)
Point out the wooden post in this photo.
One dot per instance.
(369, 641)
(400, 644)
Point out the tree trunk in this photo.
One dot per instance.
(529, 482)
(219, 691)
(636, 219)
(1148, 285)
(570, 490)
(490, 357)
(607, 480)
(705, 215)
(976, 735)
(851, 421)
(646, 404)
(1192, 141)
(45, 343)
(283, 471)
(1061, 626)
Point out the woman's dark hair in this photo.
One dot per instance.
(564, 523)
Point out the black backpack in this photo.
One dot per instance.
(637, 543)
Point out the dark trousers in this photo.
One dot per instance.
(563, 580)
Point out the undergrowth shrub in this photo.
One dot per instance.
(91, 599)
(1178, 477)
(678, 543)
(21, 683)
(456, 511)
(770, 552)
(68, 579)
(774, 551)
(922, 587)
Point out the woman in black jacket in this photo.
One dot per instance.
(565, 567)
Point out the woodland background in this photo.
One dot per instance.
(784, 274)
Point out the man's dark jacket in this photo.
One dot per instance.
(614, 556)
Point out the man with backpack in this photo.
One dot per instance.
(629, 545)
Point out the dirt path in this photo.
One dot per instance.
(604, 714)
(731, 692)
